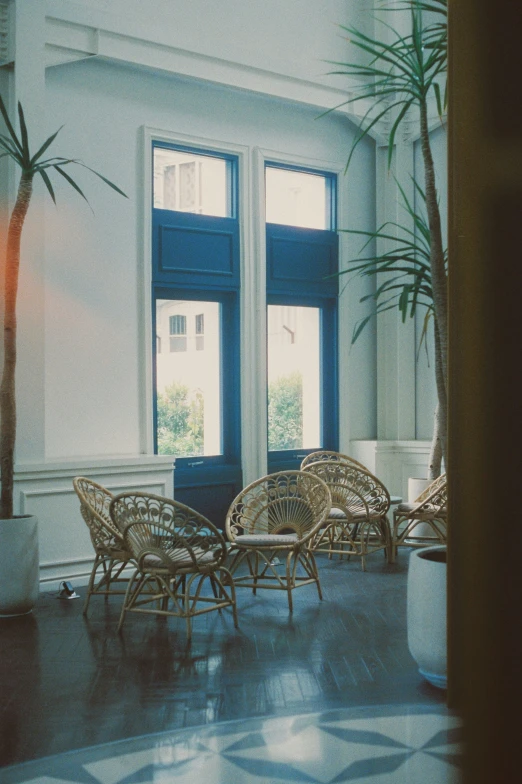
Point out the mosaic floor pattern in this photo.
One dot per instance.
(404, 744)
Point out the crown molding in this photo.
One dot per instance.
(68, 41)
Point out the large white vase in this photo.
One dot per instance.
(19, 565)
(426, 604)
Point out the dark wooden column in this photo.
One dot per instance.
(485, 393)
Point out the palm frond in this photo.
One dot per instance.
(404, 263)
(25, 138)
(19, 151)
(400, 74)
(105, 180)
(48, 185)
(44, 146)
(11, 130)
(70, 181)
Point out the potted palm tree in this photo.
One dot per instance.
(18, 533)
(403, 73)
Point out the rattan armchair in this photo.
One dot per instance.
(324, 454)
(112, 556)
(358, 523)
(276, 517)
(430, 508)
(179, 555)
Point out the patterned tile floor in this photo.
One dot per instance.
(70, 682)
(386, 745)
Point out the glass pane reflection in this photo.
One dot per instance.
(294, 399)
(188, 377)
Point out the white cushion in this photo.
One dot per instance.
(265, 539)
(424, 511)
(180, 557)
(357, 513)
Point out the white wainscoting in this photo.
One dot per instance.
(46, 491)
(394, 462)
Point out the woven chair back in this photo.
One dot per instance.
(353, 488)
(336, 457)
(280, 503)
(94, 506)
(180, 537)
(435, 495)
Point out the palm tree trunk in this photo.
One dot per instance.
(439, 288)
(7, 389)
(439, 441)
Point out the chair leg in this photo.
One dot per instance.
(315, 572)
(89, 591)
(289, 581)
(227, 580)
(256, 572)
(131, 594)
(106, 579)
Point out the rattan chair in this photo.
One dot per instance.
(323, 454)
(430, 507)
(112, 556)
(179, 555)
(358, 523)
(276, 517)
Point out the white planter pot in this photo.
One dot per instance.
(19, 565)
(426, 604)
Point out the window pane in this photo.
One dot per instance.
(294, 403)
(188, 378)
(188, 182)
(296, 198)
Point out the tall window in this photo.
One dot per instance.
(191, 182)
(301, 318)
(195, 290)
(297, 198)
(294, 373)
(188, 387)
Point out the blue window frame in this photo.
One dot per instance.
(195, 298)
(193, 248)
(301, 267)
(229, 449)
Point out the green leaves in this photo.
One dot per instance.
(405, 265)
(400, 74)
(17, 148)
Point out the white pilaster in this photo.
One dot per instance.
(395, 339)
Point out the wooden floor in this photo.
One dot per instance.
(69, 681)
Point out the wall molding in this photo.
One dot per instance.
(46, 491)
(68, 41)
(393, 462)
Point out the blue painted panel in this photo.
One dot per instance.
(198, 250)
(301, 259)
(210, 491)
(192, 250)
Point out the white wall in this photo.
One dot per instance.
(294, 38)
(94, 263)
(262, 78)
